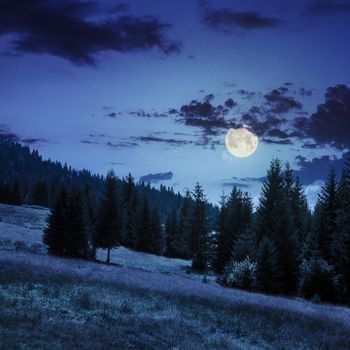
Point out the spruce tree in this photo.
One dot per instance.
(76, 242)
(184, 226)
(172, 235)
(325, 217)
(108, 228)
(244, 246)
(268, 272)
(130, 207)
(54, 234)
(156, 233)
(144, 240)
(274, 221)
(40, 195)
(199, 229)
(89, 219)
(235, 217)
(341, 240)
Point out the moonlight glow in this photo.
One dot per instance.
(241, 142)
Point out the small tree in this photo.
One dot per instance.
(199, 229)
(54, 234)
(76, 242)
(108, 228)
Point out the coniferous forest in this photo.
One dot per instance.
(280, 247)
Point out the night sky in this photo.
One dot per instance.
(152, 86)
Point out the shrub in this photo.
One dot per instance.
(239, 274)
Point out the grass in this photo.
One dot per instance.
(40, 310)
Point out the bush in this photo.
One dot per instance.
(239, 274)
(318, 280)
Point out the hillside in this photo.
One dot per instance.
(65, 303)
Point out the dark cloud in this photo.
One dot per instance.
(206, 116)
(249, 95)
(227, 19)
(32, 141)
(152, 114)
(261, 125)
(112, 115)
(235, 184)
(89, 142)
(327, 7)
(318, 168)
(330, 124)
(277, 142)
(280, 103)
(277, 133)
(305, 92)
(155, 178)
(122, 144)
(229, 103)
(67, 29)
(173, 142)
(7, 134)
(309, 145)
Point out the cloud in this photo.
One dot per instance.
(280, 103)
(31, 141)
(318, 168)
(68, 30)
(277, 133)
(206, 116)
(174, 142)
(121, 144)
(155, 178)
(327, 7)
(227, 19)
(330, 124)
(235, 184)
(305, 92)
(277, 142)
(7, 134)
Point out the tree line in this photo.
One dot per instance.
(280, 247)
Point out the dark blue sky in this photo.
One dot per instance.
(151, 87)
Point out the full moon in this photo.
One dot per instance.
(241, 142)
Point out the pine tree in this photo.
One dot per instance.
(89, 219)
(268, 273)
(172, 235)
(40, 195)
(235, 217)
(130, 207)
(274, 221)
(299, 209)
(244, 246)
(144, 242)
(54, 234)
(341, 240)
(108, 228)
(199, 229)
(184, 227)
(156, 233)
(325, 217)
(15, 195)
(76, 242)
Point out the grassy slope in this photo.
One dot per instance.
(48, 302)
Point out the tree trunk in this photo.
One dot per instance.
(108, 255)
